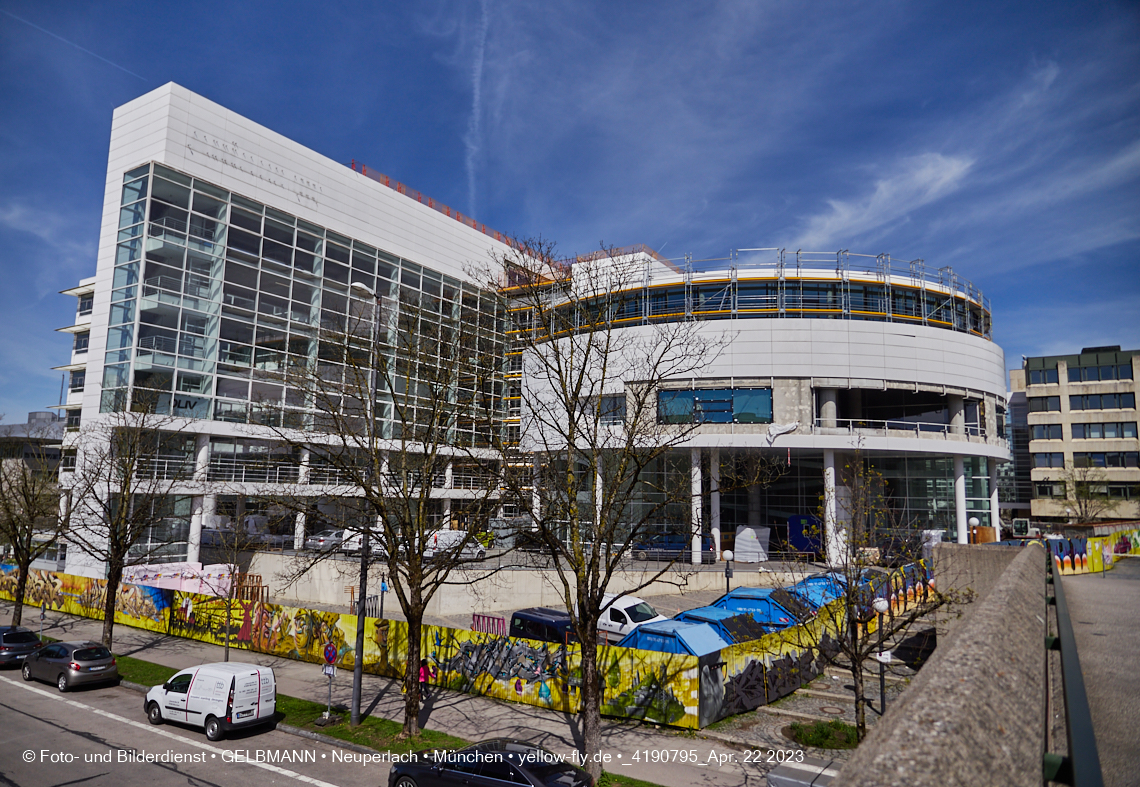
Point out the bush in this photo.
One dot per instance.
(833, 734)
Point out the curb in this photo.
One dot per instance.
(286, 728)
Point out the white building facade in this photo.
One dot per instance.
(224, 250)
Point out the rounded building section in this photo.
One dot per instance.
(825, 360)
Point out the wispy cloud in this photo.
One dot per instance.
(473, 139)
(914, 182)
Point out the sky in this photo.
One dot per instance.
(1001, 139)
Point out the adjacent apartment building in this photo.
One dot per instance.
(1082, 427)
(226, 248)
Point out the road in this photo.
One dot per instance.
(100, 736)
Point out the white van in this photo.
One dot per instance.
(219, 697)
(622, 615)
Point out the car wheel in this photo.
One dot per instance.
(640, 555)
(154, 714)
(61, 682)
(405, 781)
(214, 730)
(27, 671)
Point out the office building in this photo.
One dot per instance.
(1083, 444)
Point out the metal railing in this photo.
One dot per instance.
(1081, 767)
(252, 471)
(166, 468)
(918, 428)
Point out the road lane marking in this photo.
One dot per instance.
(166, 734)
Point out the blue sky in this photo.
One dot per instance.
(1002, 139)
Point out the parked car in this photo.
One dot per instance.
(450, 541)
(673, 546)
(217, 697)
(71, 664)
(325, 541)
(15, 644)
(621, 615)
(543, 624)
(352, 542)
(498, 761)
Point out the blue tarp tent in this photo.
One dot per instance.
(820, 589)
(675, 636)
(732, 626)
(773, 608)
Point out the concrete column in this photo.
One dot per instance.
(449, 475)
(299, 530)
(714, 499)
(831, 539)
(599, 496)
(446, 506)
(695, 496)
(305, 473)
(201, 477)
(960, 500)
(995, 515)
(957, 414)
(828, 407)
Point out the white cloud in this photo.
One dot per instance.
(914, 182)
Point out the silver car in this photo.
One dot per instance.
(15, 644)
(71, 664)
(324, 541)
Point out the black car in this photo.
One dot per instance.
(15, 644)
(491, 763)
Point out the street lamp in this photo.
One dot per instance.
(361, 608)
(881, 605)
(973, 523)
(728, 556)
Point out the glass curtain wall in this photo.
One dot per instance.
(215, 296)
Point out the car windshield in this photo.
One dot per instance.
(91, 654)
(20, 638)
(641, 612)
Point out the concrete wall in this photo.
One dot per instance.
(967, 573)
(507, 590)
(975, 714)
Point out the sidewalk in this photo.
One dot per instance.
(464, 715)
(1103, 609)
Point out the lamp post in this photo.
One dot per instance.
(365, 552)
(973, 523)
(881, 606)
(728, 556)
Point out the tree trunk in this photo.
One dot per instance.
(114, 577)
(21, 587)
(591, 713)
(229, 616)
(412, 673)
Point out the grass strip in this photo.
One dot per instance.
(833, 734)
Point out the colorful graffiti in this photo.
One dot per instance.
(1080, 555)
(674, 689)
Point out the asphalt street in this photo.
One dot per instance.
(100, 736)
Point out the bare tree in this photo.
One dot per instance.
(1086, 492)
(404, 393)
(122, 509)
(596, 462)
(30, 520)
(865, 513)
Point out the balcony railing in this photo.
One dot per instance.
(166, 468)
(252, 471)
(916, 428)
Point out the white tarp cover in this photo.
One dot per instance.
(751, 544)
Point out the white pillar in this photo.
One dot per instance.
(714, 499)
(960, 499)
(957, 408)
(995, 514)
(831, 539)
(299, 530)
(695, 496)
(201, 478)
(599, 493)
(445, 524)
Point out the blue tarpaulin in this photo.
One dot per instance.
(675, 636)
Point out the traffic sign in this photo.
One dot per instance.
(330, 653)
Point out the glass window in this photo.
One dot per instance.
(77, 381)
(1047, 432)
(127, 252)
(132, 214)
(1041, 404)
(81, 342)
(138, 172)
(170, 192)
(233, 389)
(675, 407)
(752, 406)
(86, 303)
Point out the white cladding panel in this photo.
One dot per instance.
(804, 348)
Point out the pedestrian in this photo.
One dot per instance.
(426, 673)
